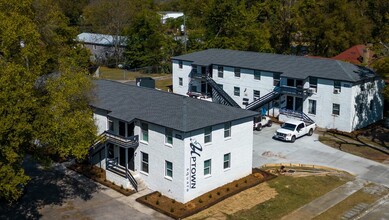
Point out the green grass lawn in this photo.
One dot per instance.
(293, 192)
(122, 74)
(163, 84)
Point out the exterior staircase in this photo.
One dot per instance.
(255, 105)
(219, 95)
(297, 115)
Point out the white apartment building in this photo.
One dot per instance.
(174, 144)
(332, 93)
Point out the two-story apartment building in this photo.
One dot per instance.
(332, 93)
(174, 144)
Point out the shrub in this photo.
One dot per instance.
(173, 201)
(236, 185)
(228, 189)
(218, 193)
(200, 201)
(157, 202)
(145, 197)
(171, 209)
(210, 196)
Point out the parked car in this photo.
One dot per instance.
(261, 121)
(291, 130)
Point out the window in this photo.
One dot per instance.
(227, 129)
(335, 109)
(237, 72)
(337, 87)
(168, 169)
(227, 161)
(207, 134)
(145, 162)
(169, 136)
(236, 91)
(276, 79)
(220, 72)
(180, 64)
(256, 94)
(257, 74)
(144, 131)
(180, 81)
(207, 167)
(312, 107)
(371, 106)
(110, 125)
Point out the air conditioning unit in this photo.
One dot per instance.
(336, 91)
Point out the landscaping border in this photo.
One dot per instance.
(266, 177)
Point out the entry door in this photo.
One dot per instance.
(289, 102)
(299, 104)
(122, 157)
(203, 71)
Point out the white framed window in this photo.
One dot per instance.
(220, 71)
(180, 81)
(111, 126)
(227, 161)
(312, 106)
(313, 83)
(168, 169)
(257, 75)
(144, 131)
(335, 109)
(208, 135)
(256, 94)
(227, 129)
(169, 136)
(180, 64)
(145, 162)
(237, 72)
(207, 167)
(236, 91)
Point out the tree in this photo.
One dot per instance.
(232, 25)
(147, 43)
(36, 114)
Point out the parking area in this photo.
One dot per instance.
(309, 150)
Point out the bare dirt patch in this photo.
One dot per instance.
(244, 200)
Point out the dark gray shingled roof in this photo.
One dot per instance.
(127, 102)
(288, 65)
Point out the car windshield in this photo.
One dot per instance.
(288, 126)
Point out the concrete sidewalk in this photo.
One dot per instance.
(325, 202)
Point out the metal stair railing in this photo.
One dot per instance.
(224, 98)
(113, 166)
(297, 114)
(264, 99)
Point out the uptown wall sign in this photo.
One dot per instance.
(191, 172)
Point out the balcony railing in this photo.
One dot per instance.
(294, 90)
(132, 141)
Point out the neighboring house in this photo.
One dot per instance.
(358, 54)
(179, 146)
(165, 15)
(102, 46)
(332, 93)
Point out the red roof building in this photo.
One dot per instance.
(357, 54)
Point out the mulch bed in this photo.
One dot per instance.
(97, 174)
(177, 210)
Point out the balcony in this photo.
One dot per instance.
(126, 142)
(296, 91)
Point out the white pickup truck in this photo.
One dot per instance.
(261, 121)
(293, 129)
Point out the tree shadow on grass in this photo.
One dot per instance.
(46, 187)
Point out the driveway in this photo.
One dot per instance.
(309, 150)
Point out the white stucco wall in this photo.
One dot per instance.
(100, 118)
(239, 145)
(184, 73)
